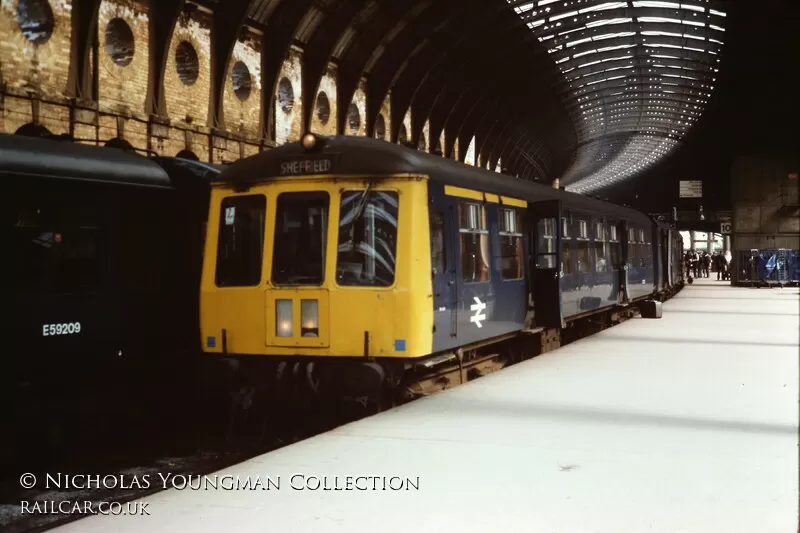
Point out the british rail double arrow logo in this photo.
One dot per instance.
(477, 308)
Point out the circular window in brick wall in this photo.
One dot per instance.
(187, 63)
(119, 42)
(402, 137)
(323, 108)
(353, 118)
(35, 19)
(242, 81)
(285, 95)
(380, 128)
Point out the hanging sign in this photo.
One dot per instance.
(691, 189)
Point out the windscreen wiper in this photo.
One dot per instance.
(359, 211)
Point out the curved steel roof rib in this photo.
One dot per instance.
(467, 69)
(635, 77)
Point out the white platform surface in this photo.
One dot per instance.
(684, 424)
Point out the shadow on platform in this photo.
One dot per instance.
(610, 416)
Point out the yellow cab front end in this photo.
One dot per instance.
(318, 268)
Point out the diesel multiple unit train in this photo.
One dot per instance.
(350, 262)
(345, 263)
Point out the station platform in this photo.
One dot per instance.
(684, 424)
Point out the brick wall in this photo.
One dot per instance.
(385, 112)
(425, 141)
(41, 67)
(187, 98)
(405, 129)
(122, 76)
(242, 112)
(360, 103)
(33, 77)
(469, 158)
(289, 113)
(323, 119)
(34, 70)
(438, 144)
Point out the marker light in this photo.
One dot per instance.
(309, 141)
(309, 316)
(283, 318)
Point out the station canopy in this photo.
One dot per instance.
(635, 77)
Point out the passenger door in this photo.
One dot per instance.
(443, 278)
(546, 268)
(626, 260)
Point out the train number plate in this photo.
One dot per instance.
(69, 328)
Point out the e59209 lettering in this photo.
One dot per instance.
(69, 328)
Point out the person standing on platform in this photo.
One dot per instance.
(726, 261)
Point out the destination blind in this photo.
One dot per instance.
(305, 166)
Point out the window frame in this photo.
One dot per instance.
(275, 235)
(482, 230)
(516, 236)
(372, 190)
(221, 225)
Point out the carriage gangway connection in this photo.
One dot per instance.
(688, 423)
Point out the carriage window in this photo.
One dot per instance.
(510, 244)
(614, 247)
(545, 243)
(240, 249)
(641, 236)
(582, 247)
(301, 230)
(566, 247)
(583, 229)
(367, 239)
(438, 258)
(633, 249)
(600, 258)
(474, 242)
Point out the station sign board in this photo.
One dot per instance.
(725, 228)
(690, 189)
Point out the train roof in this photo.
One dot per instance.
(206, 172)
(362, 156)
(32, 156)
